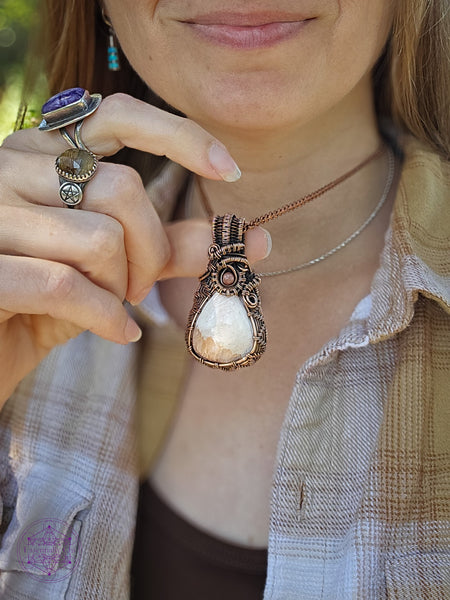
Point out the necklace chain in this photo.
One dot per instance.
(269, 216)
(355, 234)
(274, 214)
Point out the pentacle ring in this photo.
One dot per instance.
(75, 168)
(69, 106)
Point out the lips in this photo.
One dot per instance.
(247, 30)
(246, 19)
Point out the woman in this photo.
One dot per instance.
(330, 451)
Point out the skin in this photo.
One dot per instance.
(65, 271)
(321, 83)
(242, 90)
(217, 464)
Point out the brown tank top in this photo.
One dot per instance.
(173, 559)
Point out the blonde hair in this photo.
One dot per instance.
(411, 79)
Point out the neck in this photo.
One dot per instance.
(280, 167)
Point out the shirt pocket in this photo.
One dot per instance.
(418, 575)
(42, 544)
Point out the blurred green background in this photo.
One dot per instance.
(17, 23)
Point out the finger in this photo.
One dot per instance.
(189, 242)
(90, 242)
(116, 191)
(165, 188)
(125, 121)
(39, 287)
(120, 194)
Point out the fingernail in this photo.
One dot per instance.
(133, 332)
(140, 297)
(223, 164)
(269, 242)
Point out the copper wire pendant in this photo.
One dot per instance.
(226, 327)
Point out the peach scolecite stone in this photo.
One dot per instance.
(223, 331)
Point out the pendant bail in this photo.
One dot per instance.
(228, 229)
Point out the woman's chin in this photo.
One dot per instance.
(255, 108)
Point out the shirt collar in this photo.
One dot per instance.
(416, 258)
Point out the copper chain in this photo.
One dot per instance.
(274, 214)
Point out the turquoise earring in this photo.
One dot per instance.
(113, 53)
(113, 50)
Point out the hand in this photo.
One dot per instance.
(64, 271)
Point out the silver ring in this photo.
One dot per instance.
(75, 167)
(67, 107)
(76, 141)
(77, 135)
(66, 135)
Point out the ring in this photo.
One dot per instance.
(75, 168)
(66, 135)
(77, 142)
(77, 135)
(68, 107)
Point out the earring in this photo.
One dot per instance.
(113, 50)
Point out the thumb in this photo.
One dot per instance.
(189, 242)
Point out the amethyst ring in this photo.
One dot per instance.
(68, 107)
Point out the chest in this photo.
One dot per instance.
(216, 467)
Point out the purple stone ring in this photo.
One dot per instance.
(68, 107)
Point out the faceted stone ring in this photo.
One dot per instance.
(75, 168)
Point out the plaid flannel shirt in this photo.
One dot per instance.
(361, 495)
